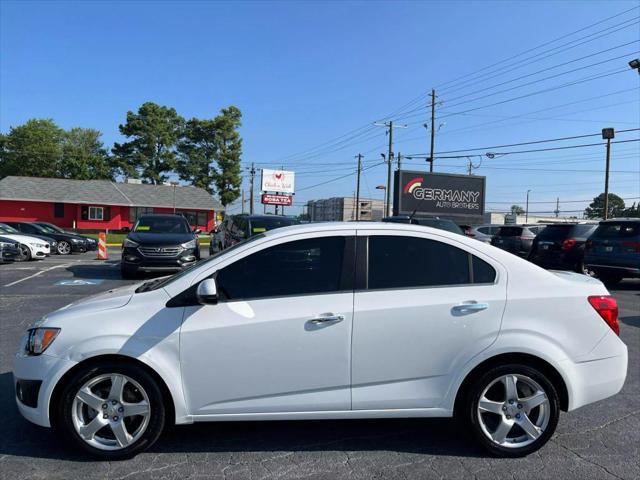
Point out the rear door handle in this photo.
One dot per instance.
(326, 319)
(469, 307)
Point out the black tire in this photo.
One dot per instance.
(610, 279)
(64, 248)
(63, 420)
(24, 255)
(128, 273)
(472, 417)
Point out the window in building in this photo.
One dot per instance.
(189, 215)
(136, 212)
(202, 219)
(58, 210)
(96, 213)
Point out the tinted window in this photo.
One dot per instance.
(303, 267)
(259, 225)
(583, 231)
(58, 210)
(401, 262)
(447, 225)
(617, 230)
(510, 231)
(556, 232)
(482, 271)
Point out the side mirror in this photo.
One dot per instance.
(125, 229)
(197, 231)
(207, 292)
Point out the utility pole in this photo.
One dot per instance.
(526, 211)
(433, 127)
(557, 210)
(357, 205)
(242, 200)
(252, 173)
(389, 160)
(399, 161)
(607, 134)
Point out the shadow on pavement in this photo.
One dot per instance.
(443, 437)
(633, 321)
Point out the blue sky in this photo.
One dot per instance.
(306, 73)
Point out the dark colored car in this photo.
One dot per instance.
(516, 239)
(159, 243)
(90, 243)
(561, 246)
(9, 250)
(434, 222)
(34, 230)
(613, 250)
(236, 228)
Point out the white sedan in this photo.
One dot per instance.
(31, 248)
(328, 321)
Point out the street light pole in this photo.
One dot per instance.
(526, 212)
(607, 134)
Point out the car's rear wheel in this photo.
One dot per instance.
(64, 248)
(512, 409)
(112, 411)
(24, 253)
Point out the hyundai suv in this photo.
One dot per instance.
(163, 243)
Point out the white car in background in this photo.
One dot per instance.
(328, 321)
(31, 248)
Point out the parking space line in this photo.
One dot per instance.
(38, 273)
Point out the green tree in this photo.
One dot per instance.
(210, 154)
(633, 211)
(154, 132)
(517, 210)
(33, 149)
(84, 156)
(596, 208)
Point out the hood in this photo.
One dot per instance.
(115, 298)
(23, 238)
(144, 238)
(66, 236)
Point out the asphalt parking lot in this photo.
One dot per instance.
(599, 441)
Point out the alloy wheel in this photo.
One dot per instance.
(64, 248)
(111, 411)
(25, 253)
(513, 411)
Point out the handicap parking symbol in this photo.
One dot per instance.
(77, 281)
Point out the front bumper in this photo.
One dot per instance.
(8, 254)
(42, 370)
(134, 260)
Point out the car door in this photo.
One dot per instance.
(427, 306)
(279, 338)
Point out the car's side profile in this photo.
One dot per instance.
(319, 321)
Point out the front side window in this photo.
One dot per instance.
(301, 267)
(408, 262)
(96, 213)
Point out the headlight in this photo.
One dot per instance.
(189, 244)
(129, 243)
(75, 240)
(39, 245)
(5, 244)
(39, 339)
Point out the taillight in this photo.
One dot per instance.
(569, 243)
(633, 246)
(607, 308)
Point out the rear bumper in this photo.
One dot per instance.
(594, 379)
(614, 269)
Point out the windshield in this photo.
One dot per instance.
(7, 229)
(161, 225)
(259, 225)
(49, 228)
(162, 282)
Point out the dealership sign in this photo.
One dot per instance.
(271, 199)
(438, 194)
(277, 181)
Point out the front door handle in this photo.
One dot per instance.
(469, 307)
(326, 319)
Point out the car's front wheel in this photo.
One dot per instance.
(64, 248)
(113, 411)
(512, 409)
(24, 253)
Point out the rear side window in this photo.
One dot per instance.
(302, 267)
(617, 230)
(406, 262)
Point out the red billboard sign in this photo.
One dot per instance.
(270, 199)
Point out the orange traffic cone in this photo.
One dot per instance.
(102, 247)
